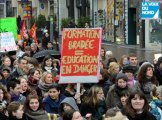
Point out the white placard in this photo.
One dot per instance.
(7, 42)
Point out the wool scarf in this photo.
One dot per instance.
(37, 115)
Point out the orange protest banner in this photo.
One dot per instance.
(80, 55)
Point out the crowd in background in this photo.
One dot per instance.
(128, 88)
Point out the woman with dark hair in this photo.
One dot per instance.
(47, 64)
(5, 98)
(34, 109)
(56, 66)
(15, 111)
(146, 79)
(137, 107)
(94, 104)
(33, 79)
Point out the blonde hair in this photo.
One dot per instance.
(44, 76)
(112, 67)
(92, 95)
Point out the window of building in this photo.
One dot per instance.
(2, 11)
(9, 10)
(51, 7)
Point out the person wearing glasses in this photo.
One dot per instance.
(94, 105)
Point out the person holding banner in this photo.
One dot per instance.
(54, 98)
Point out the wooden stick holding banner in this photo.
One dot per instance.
(78, 87)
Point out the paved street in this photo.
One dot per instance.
(119, 50)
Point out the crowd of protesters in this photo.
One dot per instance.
(128, 89)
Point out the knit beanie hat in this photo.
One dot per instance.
(129, 68)
(121, 76)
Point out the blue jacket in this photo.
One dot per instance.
(155, 110)
(52, 106)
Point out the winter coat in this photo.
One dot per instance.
(155, 110)
(51, 106)
(145, 88)
(113, 96)
(142, 116)
(45, 41)
(97, 112)
(3, 117)
(20, 98)
(42, 89)
(17, 73)
(158, 74)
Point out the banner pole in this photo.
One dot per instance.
(78, 87)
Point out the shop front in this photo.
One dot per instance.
(115, 21)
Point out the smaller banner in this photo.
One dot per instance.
(150, 10)
(8, 25)
(7, 42)
(80, 55)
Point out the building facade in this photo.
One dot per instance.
(122, 20)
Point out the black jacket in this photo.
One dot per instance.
(141, 116)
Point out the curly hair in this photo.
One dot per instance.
(142, 77)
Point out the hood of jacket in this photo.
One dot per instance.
(70, 101)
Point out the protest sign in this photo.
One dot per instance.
(8, 25)
(80, 55)
(7, 42)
